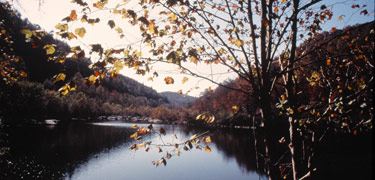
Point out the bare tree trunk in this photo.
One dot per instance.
(292, 147)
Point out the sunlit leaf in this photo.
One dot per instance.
(222, 51)
(80, 32)
(50, 49)
(239, 43)
(207, 149)
(27, 33)
(119, 30)
(235, 108)
(73, 15)
(194, 59)
(184, 80)
(60, 77)
(173, 17)
(178, 153)
(134, 135)
(118, 65)
(193, 137)
(92, 79)
(62, 27)
(179, 91)
(64, 90)
(151, 27)
(134, 126)
(340, 18)
(99, 5)
(208, 139)
(169, 80)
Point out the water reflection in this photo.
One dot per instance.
(100, 151)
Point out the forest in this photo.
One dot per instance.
(318, 88)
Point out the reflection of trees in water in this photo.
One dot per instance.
(237, 144)
(53, 153)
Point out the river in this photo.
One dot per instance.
(80, 150)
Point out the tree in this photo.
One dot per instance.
(255, 39)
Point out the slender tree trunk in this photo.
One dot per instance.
(292, 146)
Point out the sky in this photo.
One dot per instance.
(48, 13)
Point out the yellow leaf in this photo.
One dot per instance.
(283, 1)
(202, 5)
(151, 27)
(150, 79)
(134, 126)
(194, 59)
(235, 108)
(179, 91)
(178, 153)
(134, 135)
(222, 51)
(64, 91)
(60, 77)
(142, 145)
(80, 32)
(126, 52)
(208, 139)
(62, 27)
(193, 137)
(169, 80)
(27, 33)
(50, 49)
(209, 89)
(119, 30)
(99, 5)
(340, 18)
(200, 50)
(92, 79)
(239, 43)
(211, 119)
(207, 149)
(275, 9)
(118, 65)
(73, 88)
(173, 17)
(184, 80)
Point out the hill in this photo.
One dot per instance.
(178, 99)
(29, 84)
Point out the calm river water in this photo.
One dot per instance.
(79, 150)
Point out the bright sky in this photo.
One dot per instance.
(48, 13)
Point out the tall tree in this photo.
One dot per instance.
(255, 39)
